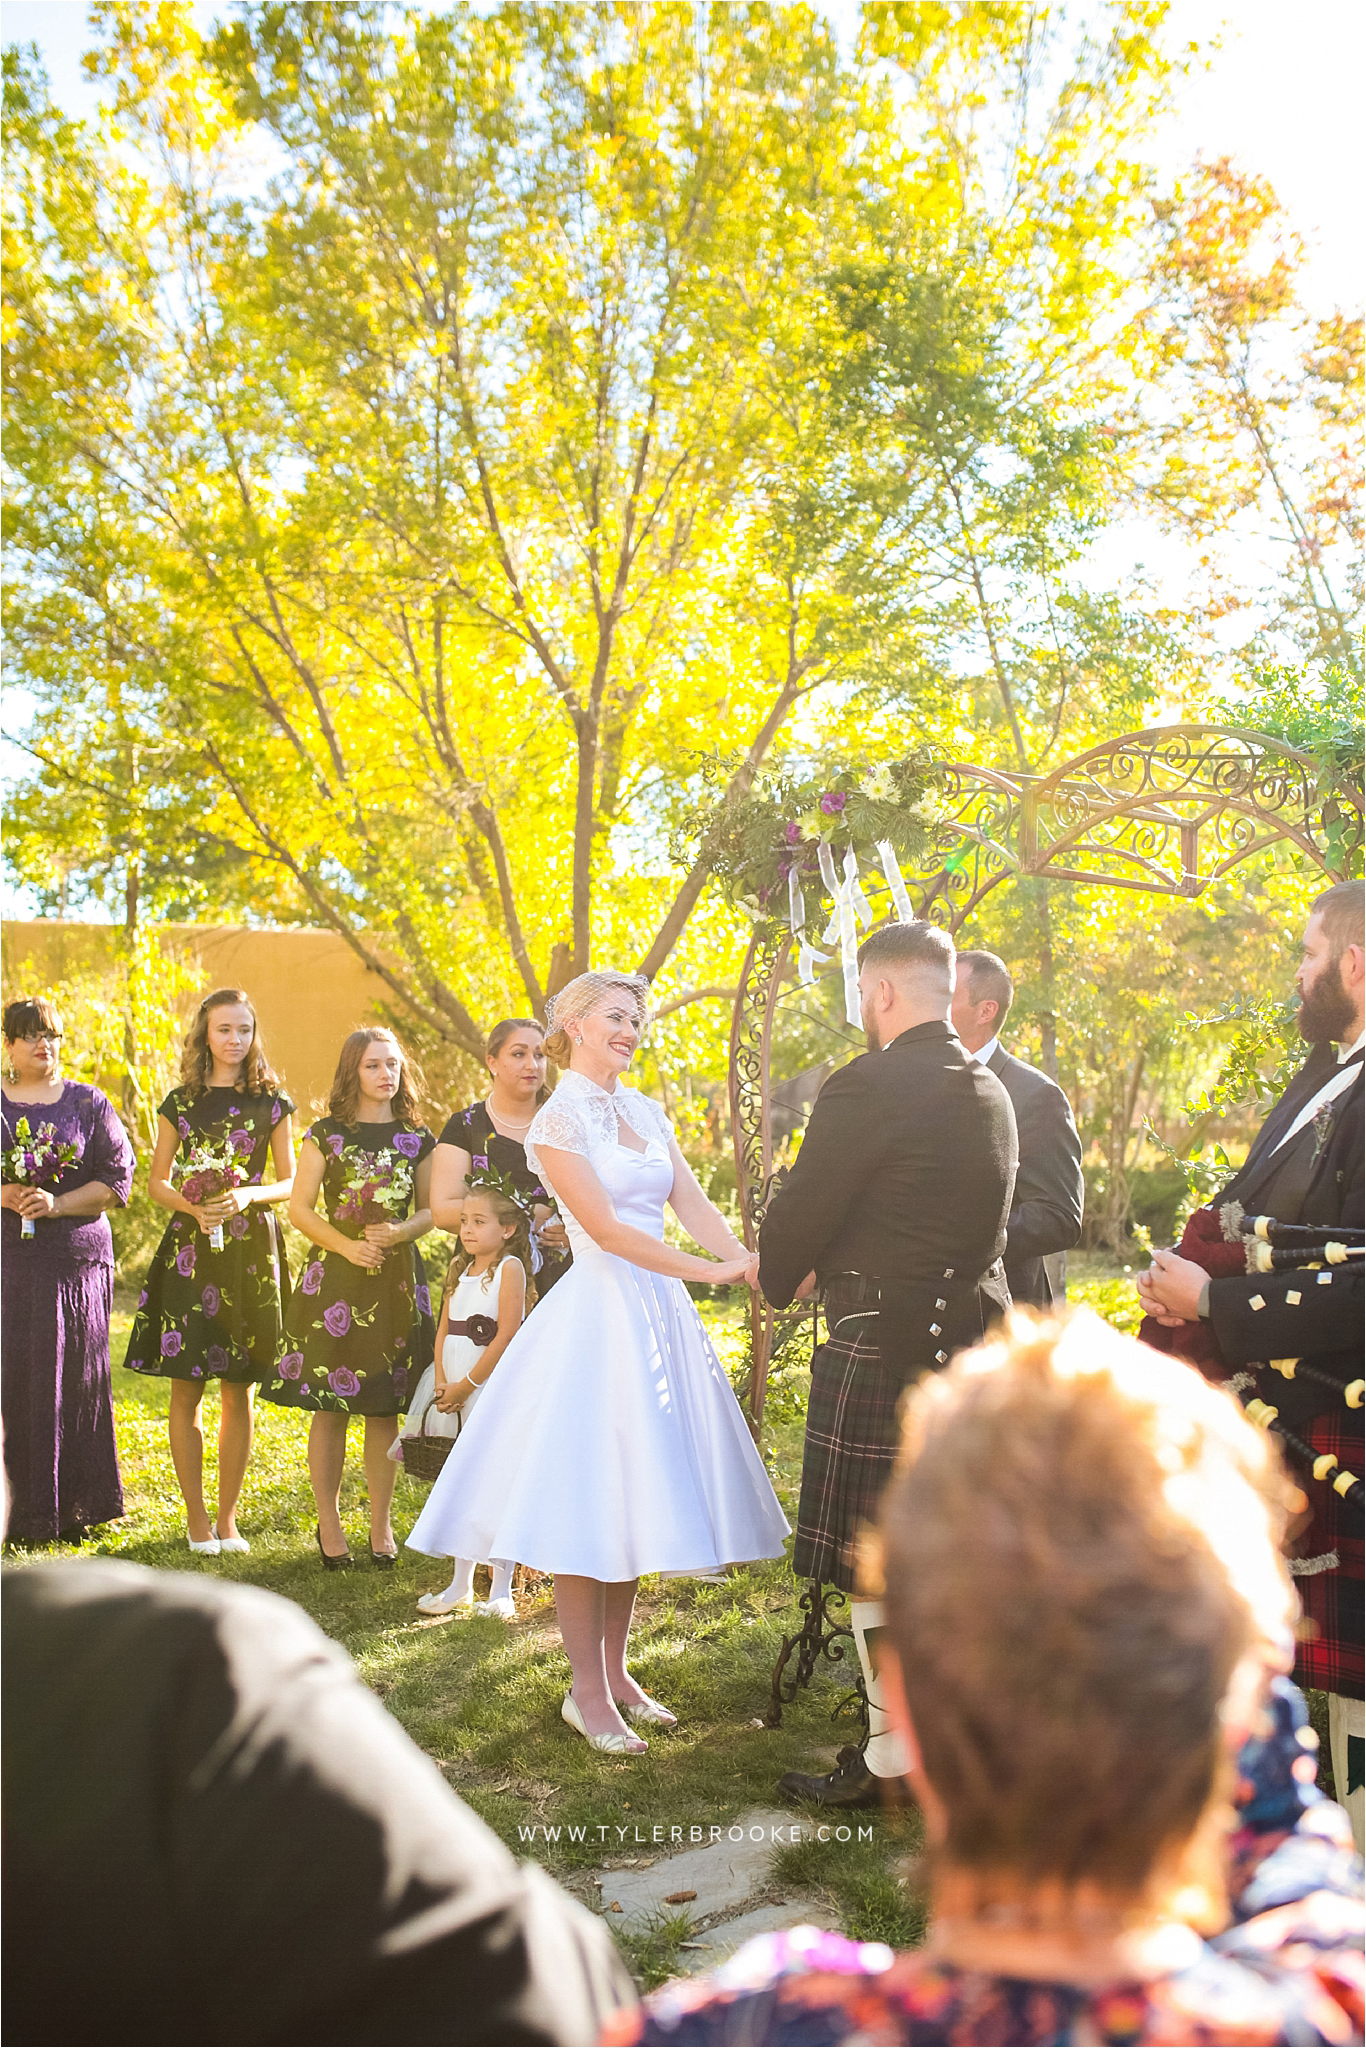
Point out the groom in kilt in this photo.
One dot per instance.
(895, 1212)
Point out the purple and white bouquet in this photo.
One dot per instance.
(36, 1158)
(208, 1169)
(378, 1187)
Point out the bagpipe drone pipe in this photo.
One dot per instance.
(1272, 1247)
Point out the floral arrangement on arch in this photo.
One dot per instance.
(757, 843)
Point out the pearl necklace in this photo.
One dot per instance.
(505, 1124)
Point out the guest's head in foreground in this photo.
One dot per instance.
(982, 995)
(1085, 1597)
(595, 1022)
(223, 1048)
(905, 979)
(374, 1077)
(32, 1031)
(1332, 974)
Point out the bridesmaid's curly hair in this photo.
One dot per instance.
(196, 1061)
(344, 1100)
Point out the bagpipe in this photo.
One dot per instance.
(1272, 1247)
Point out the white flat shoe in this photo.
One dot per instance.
(237, 1544)
(437, 1603)
(649, 1713)
(610, 1745)
(495, 1610)
(209, 1549)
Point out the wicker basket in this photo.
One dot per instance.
(424, 1456)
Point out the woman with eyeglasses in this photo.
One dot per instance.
(67, 1160)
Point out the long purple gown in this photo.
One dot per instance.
(58, 1288)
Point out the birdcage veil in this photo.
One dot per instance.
(584, 993)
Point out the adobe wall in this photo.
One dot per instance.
(308, 987)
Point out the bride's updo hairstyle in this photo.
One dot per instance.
(588, 992)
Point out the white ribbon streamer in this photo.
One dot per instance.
(831, 881)
(796, 904)
(891, 868)
(806, 972)
(863, 909)
(849, 952)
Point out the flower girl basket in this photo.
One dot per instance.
(424, 1456)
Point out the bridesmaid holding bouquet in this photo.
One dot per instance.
(212, 1305)
(359, 1329)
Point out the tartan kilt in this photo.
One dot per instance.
(1329, 1653)
(851, 1441)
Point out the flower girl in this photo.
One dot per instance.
(488, 1291)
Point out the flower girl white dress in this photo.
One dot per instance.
(608, 1441)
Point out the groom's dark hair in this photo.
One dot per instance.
(918, 948)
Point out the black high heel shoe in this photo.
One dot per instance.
(383, 1560)
(332, 1564)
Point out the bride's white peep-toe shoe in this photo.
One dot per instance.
(649, 1713)
(610, 1745)
(437, 1603)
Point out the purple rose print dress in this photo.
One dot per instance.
(207, 1315)
(60, 1457)
(357, 1338)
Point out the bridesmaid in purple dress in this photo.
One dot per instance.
(60, 1456)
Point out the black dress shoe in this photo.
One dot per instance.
(383, 1560)
(343, 1563)
(851, 1783)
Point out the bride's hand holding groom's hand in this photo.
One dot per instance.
(731, 1271)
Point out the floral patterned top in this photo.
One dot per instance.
(355, 1337)
(205, 1312)
(1289, 1969)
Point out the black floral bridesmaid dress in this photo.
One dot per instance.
(206, 1314)
(356, 1338)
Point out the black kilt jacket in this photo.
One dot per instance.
(1315, 1317)
(904, 1178)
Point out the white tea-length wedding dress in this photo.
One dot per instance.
(608, 1441)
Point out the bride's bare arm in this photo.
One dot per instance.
(573, 1183)
(699, 1216)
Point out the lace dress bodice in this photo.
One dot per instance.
(582, 1118)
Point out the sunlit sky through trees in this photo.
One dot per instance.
(1272, 90)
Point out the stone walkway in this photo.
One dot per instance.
(723, 1882)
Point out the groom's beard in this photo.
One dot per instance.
(1326, 1010)
(870, 1030)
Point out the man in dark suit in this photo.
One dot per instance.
(1305, 1167)
(1045, 1216)
(896, 1210)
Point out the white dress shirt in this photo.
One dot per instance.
(1336, 1084)
(984, 1054)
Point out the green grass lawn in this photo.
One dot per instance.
(483, 1698)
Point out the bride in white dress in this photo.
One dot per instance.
(609, 1442)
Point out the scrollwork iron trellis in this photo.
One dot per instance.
(1167, 811)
